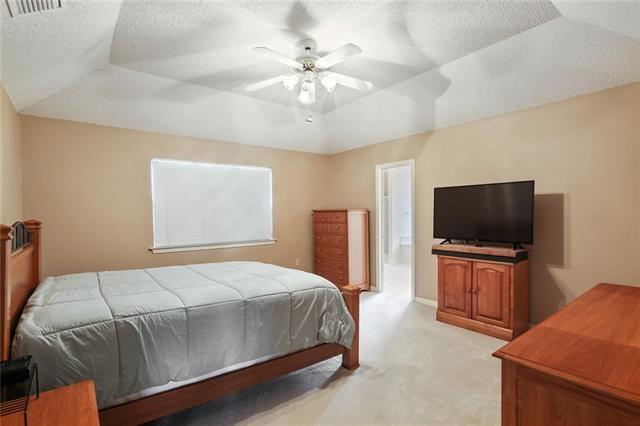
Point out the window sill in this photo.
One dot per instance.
(174, 249)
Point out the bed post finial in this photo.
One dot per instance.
(33, 224)
(351, 357)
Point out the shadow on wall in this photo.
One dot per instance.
(547, 255)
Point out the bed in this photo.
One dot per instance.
(160, 340)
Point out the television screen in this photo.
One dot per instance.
(497, 212)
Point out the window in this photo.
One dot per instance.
(201, 205)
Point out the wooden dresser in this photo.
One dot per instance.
(341, 246)
(581, 366)
(483, 289)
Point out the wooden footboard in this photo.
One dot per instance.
(179, 399)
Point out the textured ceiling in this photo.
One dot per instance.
(210, 45)
(179, 67)
(43, 53)
(621, 17)
(553, 61)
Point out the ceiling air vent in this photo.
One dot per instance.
(25, 7)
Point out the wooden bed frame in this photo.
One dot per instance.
(20, 274)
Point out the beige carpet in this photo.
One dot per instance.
(414, 370)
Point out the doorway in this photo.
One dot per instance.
(395, 228)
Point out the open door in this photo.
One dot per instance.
(395, 229)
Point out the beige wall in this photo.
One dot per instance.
(10, 162)
(90, 186)
(584, 154)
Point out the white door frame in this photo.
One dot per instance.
(378, 229)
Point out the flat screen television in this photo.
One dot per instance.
(495, 212)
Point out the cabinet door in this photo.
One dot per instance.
(454, 286)
(491, 285)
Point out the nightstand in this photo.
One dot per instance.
(73, 405)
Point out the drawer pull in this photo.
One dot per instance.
(337, 228)
(340, 252)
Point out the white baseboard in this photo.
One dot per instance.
(428, 302)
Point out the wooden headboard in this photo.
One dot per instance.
(20, 273)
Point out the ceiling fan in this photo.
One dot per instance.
(309, 69)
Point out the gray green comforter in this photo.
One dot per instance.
(136, 329)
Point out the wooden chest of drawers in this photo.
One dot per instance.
(341, 246)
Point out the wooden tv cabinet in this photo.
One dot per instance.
(483, 289)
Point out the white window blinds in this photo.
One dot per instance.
(201, 204)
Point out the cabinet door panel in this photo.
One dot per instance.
(491, 284)
(454, 289)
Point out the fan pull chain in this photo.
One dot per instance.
(309, 118)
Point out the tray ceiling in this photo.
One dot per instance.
(210, 45)
(179, 67)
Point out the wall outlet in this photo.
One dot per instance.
(297, 262)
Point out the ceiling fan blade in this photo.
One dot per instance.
(265, 83)
(278, 57)
(338, 56)
(354, 83)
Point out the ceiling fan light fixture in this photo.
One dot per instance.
(328, 83)
(290, 81)
(309, 69)
(307, 93)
